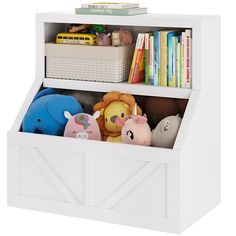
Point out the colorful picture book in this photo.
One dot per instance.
(137, 68)
(166, 59)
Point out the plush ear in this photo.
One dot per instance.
(119, 122)
(67, 115)
(96, 114)
(59, 103)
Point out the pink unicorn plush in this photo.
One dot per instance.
(135, 130)
(82, 126)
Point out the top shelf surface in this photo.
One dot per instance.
(160, 20)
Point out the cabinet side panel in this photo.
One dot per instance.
(200, 163)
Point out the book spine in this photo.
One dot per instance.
(116, 12)
(191, 48)
(139, 57)
(151, 60)
(188, 58)
(178, 64)
(163, 57)
(181, 61)
(156, 62)
(184, 55)
(109, 6)
(159, 58)
(95, 11)
(174, 61)
(142, 67)
(146, 58)
(170, 81)
(131, 74)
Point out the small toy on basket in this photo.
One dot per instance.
(46, 113)
(75, 28)
(165, 133)
(103, 39)
(76, 38)
(82, 126)
(114, 104)
(135, 129)
(121, 37)
(96, 28)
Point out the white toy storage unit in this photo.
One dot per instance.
(155, 188)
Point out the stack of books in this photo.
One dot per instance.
(163, 59)
(106, 8)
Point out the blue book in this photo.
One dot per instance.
(170, 53)
(156, 57)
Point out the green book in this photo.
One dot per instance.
(115, 12)
(181, 62)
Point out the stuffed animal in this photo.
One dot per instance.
(103, 39)
(125, 37)
(158, 108)
(121, 37)
(46, 113)
(115, 38)
(83, 126)
(165, 133)
(114, 104)
(135, 129)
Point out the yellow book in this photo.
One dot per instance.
(131, 73)
(163, 58)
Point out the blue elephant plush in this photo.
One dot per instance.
(46, 113)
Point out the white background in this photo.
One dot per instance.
(17, 70)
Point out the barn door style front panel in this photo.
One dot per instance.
(51, 174)
(124, 185)
(113, 183)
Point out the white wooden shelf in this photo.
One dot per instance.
(154, 188)
(124, 87)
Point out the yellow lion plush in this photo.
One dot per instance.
(114, 104)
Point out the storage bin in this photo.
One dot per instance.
(93, 63)
(154, 188)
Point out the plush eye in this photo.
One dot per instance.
(130, 134)
(39, 120)
(106, 119)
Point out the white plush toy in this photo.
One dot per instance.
(165, 133)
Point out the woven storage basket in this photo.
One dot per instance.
(93, 63)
